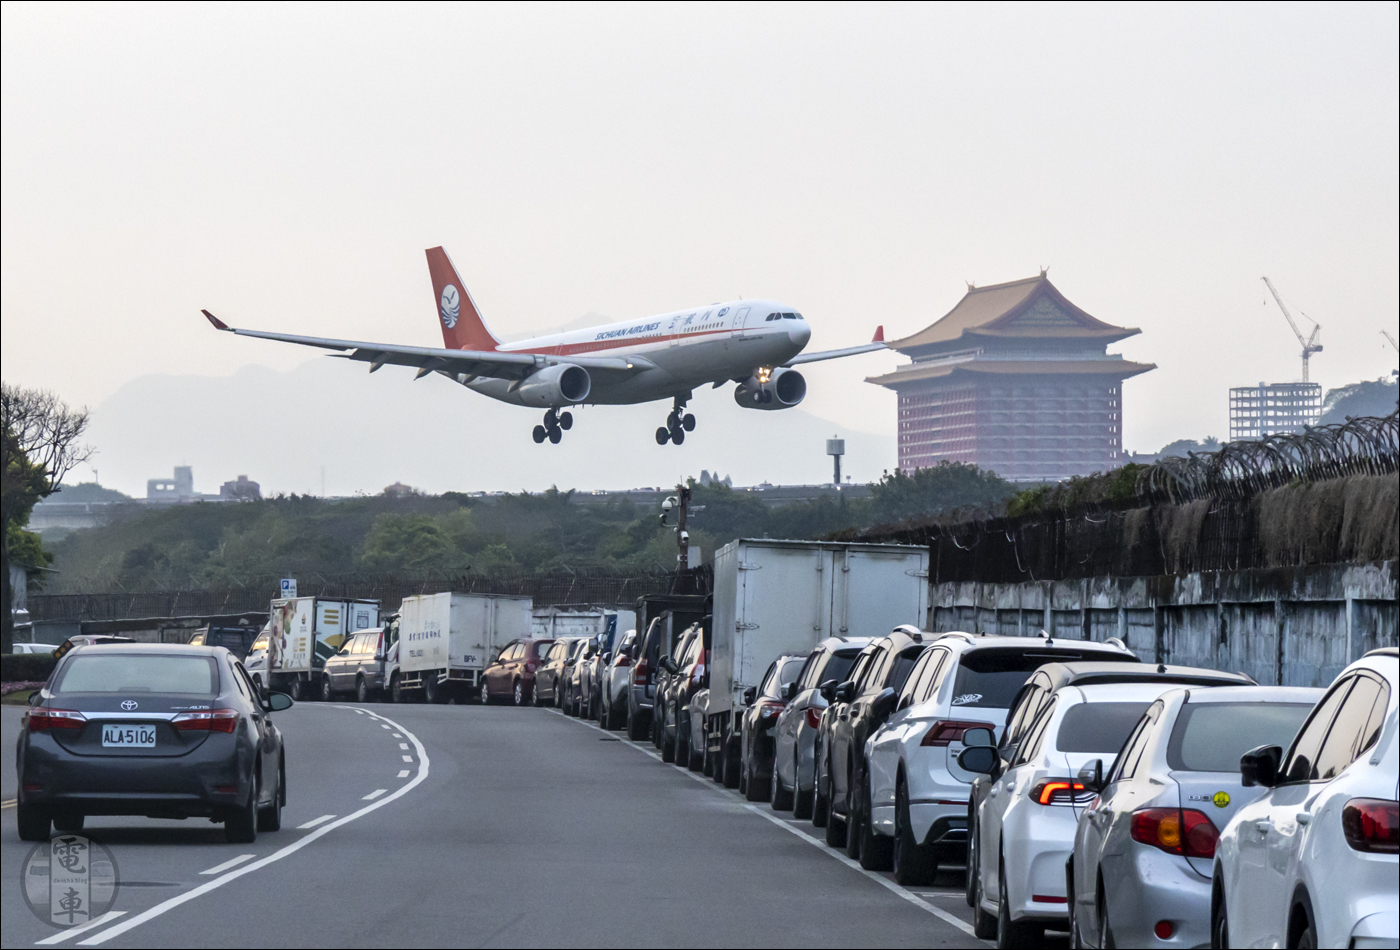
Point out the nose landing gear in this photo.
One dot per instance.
(678, 423)
(554, 424)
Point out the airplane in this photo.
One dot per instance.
(754, 343)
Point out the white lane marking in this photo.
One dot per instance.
(276, 856)
(382, 726)
(231, 863)
(315, 821)
(403, 773)
(374, 794)
(408, 758)
(70, 934)
(398, 735)
(403, 745)
(784, 824)
(360, 711)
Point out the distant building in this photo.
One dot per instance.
(172, 491)
(240, 489)
(1014, 379)
(1273, 409)
(400, 490)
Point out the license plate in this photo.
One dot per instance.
(136, 737)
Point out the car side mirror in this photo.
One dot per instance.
(981, 759)
(36, 697)
(669, 665)
(883, 704)
(788, 691)
(828, 690)
(607, 657)
(1091, 776)
(845, 692)
(750, 695)
(978, 737)
(1260, 766)
(276, 702)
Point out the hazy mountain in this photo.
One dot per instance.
(365, 432)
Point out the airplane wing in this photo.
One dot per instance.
(430, 359)
(878, 343)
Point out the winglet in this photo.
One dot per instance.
(878, 338)
(218, 324)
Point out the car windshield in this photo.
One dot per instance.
(990, 678)
(1099, 727)
(1211, 737)
(839, 666)
(138, 673)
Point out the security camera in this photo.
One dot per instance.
(666, 505)
(685, 537)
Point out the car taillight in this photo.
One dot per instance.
(945, 731)
(769, 710)
(1176, 831)
(1061, 791)
(1372, 824)
(42, 720)
(213, 720)
(643, 674)
(529, 666)
(814, 717)
(624, 660)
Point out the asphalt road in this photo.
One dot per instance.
(472, 826)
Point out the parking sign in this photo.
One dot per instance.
(289, 587)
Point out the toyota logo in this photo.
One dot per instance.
(128, 704)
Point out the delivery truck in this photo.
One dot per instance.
(446, 641)
(773, 597)
(290, 653)
(608, 623)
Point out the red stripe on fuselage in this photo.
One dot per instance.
(593, 346)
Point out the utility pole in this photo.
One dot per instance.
(682, 535)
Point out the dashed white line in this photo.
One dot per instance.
(403, 745)
(374, 794)
(382, 726)
(398, 735)
(403, 773)
(408, 758)
(230, 863)
(70, 934)
(315, 821)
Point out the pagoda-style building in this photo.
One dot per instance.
(1014, 379)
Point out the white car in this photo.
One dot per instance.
(44, 648)
(612, 711)
(918, 793)
(1313, 862)
(1026, 824)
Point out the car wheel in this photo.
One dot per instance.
(854, 829)
(755, 791)
(780, 798)
(327, 694)
(270, 818)
(634, 729)
(1013, 934)
(1219, 919)
(1106, 938)
(395, 689)
(361, 690)
(241, 824)
(68, 824)
(34, 823)
(1307, 939)
(296, 690)
(485, 694)
(517, 694)
(970, 877)
(668, 746)
(984, 925)
(912, 866)
(821, 803)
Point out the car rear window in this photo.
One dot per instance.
(838, 667)
(990, 678)
(1211, 737)
(1098, 727)
(139, 673)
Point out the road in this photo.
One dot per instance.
(491, 826)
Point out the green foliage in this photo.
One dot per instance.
(1376, 397)
(26, 667)
(942, 487)
(414, 542)
(22, 485)
(1113, 489)
(1181, 446)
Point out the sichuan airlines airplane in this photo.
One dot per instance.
(753, 343)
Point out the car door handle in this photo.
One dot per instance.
(1263, 827)
(1304, 817)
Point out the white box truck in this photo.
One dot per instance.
(446, 641)
(610, 623)
(775, 597)
(302, 632)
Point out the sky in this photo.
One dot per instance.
(285, 166)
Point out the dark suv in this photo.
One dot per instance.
(689, 674)
(660, 620)
(667, 678)
(762, 705)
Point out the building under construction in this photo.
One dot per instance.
(1273, 409)
(1015, 379)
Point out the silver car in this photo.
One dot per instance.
(612, 708)
(1140, 872)
(795, 733)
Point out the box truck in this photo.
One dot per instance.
(609, 623)
(774, 597)
(301, 633)
(446, 641)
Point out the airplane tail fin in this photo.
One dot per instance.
(462, 326)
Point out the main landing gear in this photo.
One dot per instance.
(554, 425)
(678, 423)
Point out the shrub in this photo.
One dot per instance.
(21, 667)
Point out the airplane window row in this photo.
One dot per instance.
(782, 316)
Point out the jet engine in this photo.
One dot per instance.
(778, 389)
(559, 385)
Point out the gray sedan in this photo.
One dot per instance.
(1140, 873)
(156, 730)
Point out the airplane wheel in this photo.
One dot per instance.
(688, 422)
(555, 436)
(767, 395)
(540, 434)
(566, 420)
(663, 435)
(678, 435)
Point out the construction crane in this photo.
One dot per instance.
(1310, 345)
(1391, 340)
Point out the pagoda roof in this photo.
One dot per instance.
(1021, 309)
(915, 372)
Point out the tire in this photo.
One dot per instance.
(779, 798)
(663, 435)
(821, 805)
(876, 850)
(296, 690)
(668, 747)
(634, 729)
(754, 791)
(327, 693)
(1219, 921)
(678, 436)
(911, 860)
(539, 434)
(730, 761)
(1013, 934)
(68, 824)
(485, 694)
(984, 925)
(518, 694)
(1105, 927)
(396, 689)
(854, 829)
(682, 748)
(241, 824)
(836, 831)
(433, 691)
(1307, 938)
(34, 823)
(688, 422)
(270, 818)
(362, 690)
(970, 878)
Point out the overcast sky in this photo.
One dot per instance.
(285, 166)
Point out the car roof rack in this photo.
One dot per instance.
(956, 633)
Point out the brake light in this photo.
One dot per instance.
(814, 717)
(769, 710)
(623, 660)
(1372, 824)
(42, 720)
(213, 720)
(642, 676)
(945, 731)
(1176, 831)
(1061, 791)
(529, 666)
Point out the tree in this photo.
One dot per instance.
(899, 497)
(40, 438)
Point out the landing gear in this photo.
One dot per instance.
(678, 423)
(554, 425)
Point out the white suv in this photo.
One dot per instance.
(1313, 863)
(918, 793)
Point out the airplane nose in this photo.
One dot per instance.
(800, 333)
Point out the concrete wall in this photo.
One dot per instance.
(1296, 627)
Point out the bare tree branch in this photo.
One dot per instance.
(45, 429)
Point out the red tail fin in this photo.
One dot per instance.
(462, 326)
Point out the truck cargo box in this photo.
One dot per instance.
(457, 635)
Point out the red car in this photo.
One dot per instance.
(511, 676)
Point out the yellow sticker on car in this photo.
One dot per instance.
(1221, 799)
